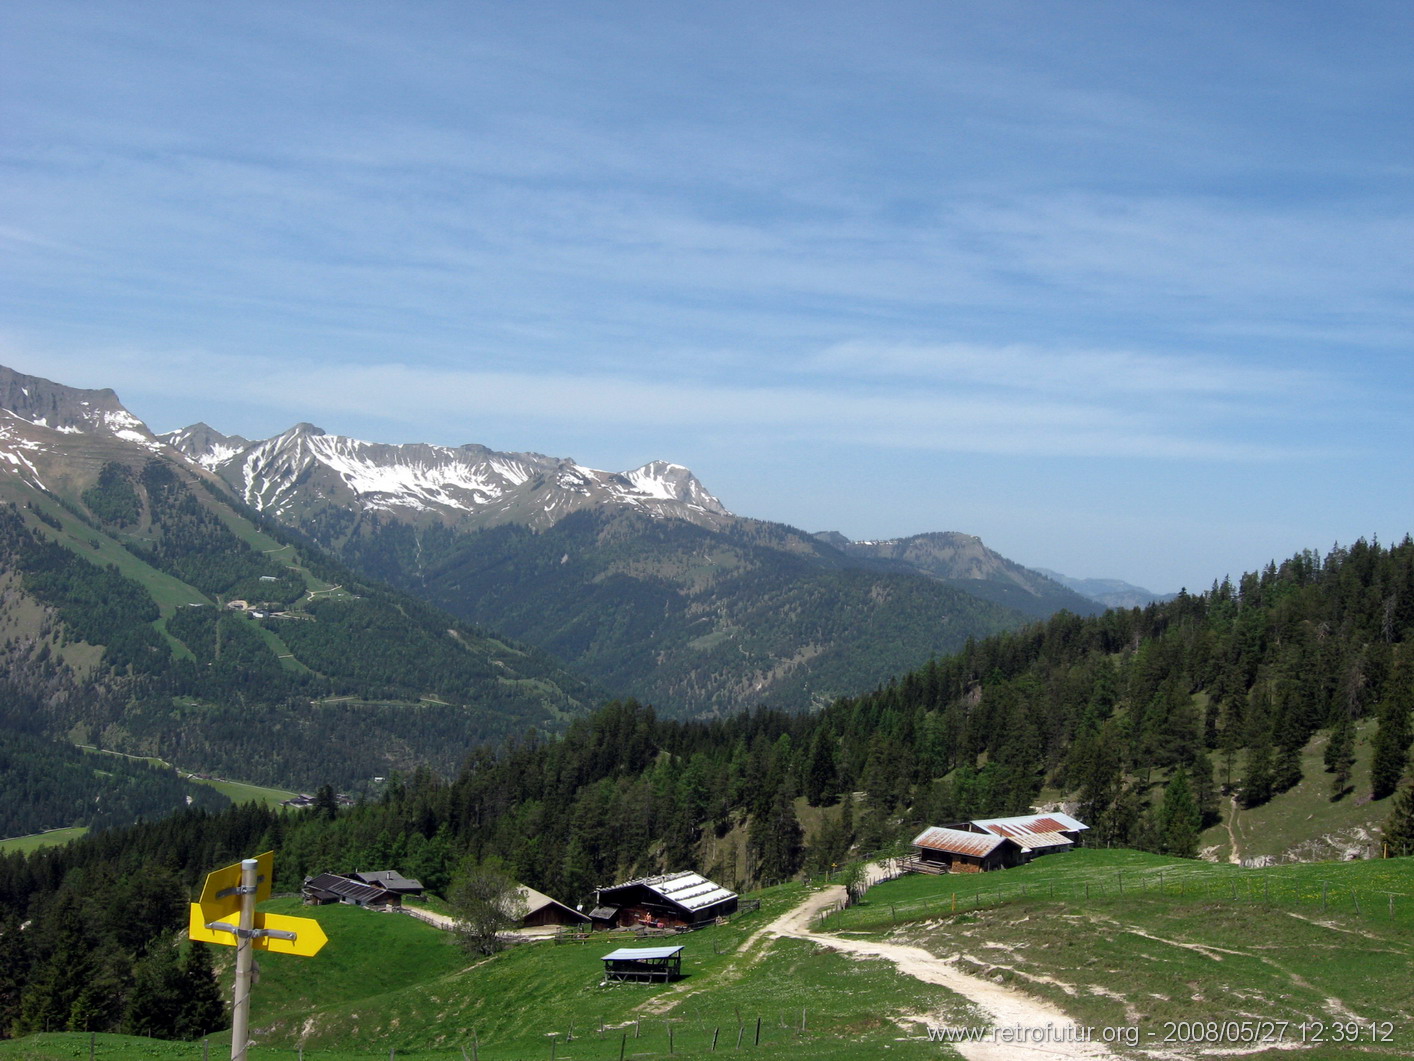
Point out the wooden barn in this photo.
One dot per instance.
(644, 964)
(670, 900)
(332, 888)
(541, 910)
(389, 880)
(940, 850)
(380, 888)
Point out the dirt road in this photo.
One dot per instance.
(1004, 1007)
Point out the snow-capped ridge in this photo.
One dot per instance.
(468, 485)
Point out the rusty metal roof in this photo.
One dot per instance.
(957, 842)
(1053, 822)
(1031, 841)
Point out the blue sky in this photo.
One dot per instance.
(1123, 289)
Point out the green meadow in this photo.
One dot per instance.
(1168, 947)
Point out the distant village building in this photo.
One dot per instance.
(670, 900)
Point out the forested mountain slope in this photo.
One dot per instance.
(145, 610)
(693, 619)
(642, 580)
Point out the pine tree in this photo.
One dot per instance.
(1399, 826)
(1179, 818)
(155, 1002)
(1391, 746)
(775, 840)
(1205, 790)
(14, 968)
(821, 784)
(202, 1010)
(1340, 755)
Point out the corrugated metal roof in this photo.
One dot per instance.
(1053, 822)
(691, 891)
(641, 953)
(390, 879)
(346, 888)
(1029, 841)
(957, 842)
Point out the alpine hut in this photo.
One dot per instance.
(940, 850)
(670, 900)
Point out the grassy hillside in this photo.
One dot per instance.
(424, 994)
(1304, 823)
(389, 983)
(23, 845)
(1126, 938)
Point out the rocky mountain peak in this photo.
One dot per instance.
(70, 410)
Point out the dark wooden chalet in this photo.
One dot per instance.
(389, 880)
(670, 900)
(644, 964)
(939, 850)
(541, 910)
(332, 888)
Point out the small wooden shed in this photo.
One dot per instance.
(644, 964)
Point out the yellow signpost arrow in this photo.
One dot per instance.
(226, 914)
(296, 935)
(221, 894)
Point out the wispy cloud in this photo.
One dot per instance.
(971, 414)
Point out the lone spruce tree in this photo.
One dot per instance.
(1399, 827)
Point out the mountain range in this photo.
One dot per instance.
(642, 579)
(433, 592)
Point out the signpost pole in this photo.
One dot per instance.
(245, 962)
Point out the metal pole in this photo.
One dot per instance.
(245, 961)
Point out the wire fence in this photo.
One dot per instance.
(976, 891)
(635, 1040)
